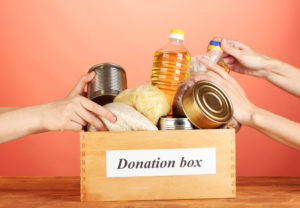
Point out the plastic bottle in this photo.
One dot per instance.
(170, 65)
(214, 51)
(214, 54)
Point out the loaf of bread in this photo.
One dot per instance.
(128, 119)
(146, 99)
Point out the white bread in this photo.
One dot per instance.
(128, 119)
(146, 99)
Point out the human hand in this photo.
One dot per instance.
(243, 108)
(243, 59)
(75, 111)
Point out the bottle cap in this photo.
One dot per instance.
(215, 43)
(177, 34)
(214, 46)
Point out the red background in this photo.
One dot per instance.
(47, 45)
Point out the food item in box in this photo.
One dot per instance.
(175, 123)
(146, 99)
(109, 81)
(177, 105)
(207, 105)
(170, 64)
(214, 54)
(128, 119)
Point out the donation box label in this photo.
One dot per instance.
(160, 162)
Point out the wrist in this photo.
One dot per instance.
(43, 114)
(34, 120)
(255, 114)
(249, 118)
(270, 67)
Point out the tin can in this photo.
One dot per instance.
(206, 105)
(173, 123)
(109, 81)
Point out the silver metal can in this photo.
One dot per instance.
(173, 123)
(109, 81)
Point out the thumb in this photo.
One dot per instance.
(230, 49)
(79, 87)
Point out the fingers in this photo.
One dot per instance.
(218, 39)
(235, 44)
(79, 87)
(74, 126)
(214, 67)
(76, 118)
(229, 63)
(91, 119)
(208, 75)
(81, 111)
(229, 60)
(97, 109)
(195, 66)
(231, 48)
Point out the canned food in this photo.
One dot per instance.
(173, 123)
(109, 81)
(206, 105)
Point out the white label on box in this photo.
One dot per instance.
(160, 162)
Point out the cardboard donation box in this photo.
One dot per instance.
(156, 165)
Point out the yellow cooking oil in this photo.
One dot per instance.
(170, 65)
(169, 69)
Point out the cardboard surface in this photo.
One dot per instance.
(95, 186)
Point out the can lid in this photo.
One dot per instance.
(177, 34)
(105, 66)
(213, 101)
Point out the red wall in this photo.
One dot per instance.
(47, 45)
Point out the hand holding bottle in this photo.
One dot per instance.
(243, 59)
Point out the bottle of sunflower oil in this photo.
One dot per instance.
(170, 65)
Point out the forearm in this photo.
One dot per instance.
(6, 109)
(277, 127)
(283, 75)
(20, 122)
